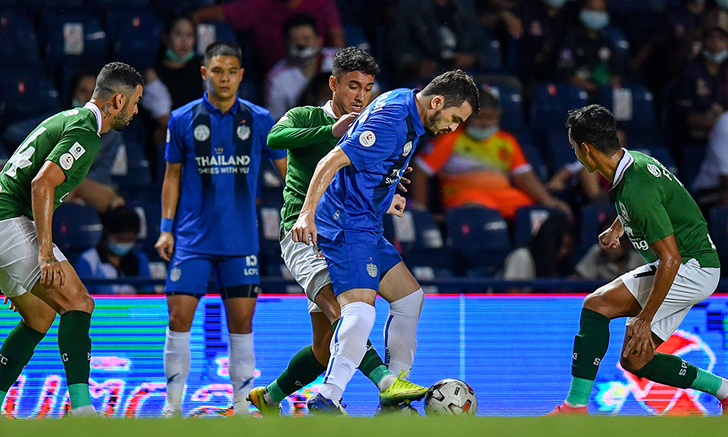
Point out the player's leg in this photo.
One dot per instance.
(186, 282)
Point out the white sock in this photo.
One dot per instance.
(400, 331)
(176, 366)
(241, 366)
(386, 382)
(348, 346)
(723, 390)
(86, 410)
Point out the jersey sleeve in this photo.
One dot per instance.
(370, 143)
(175, 151)
(76, 149)
(648, 213)
(292, 131)
(266, 123)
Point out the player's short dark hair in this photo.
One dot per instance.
(488, 100)
(296, 20)
(456, 87)
(594, 124)
(221, 48)
(351, 59)
(117, 77)
(121, 219)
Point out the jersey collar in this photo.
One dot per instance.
(214, 109)
(624, 163)
(97, 113)
(329, 110)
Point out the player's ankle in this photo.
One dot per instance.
(386, 382)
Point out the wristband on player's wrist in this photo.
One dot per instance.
(166, 225)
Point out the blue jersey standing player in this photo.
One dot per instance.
(209, 224)
(351, 190)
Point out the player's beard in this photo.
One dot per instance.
(122, 119)
(431, 125)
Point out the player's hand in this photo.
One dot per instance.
(403, 180)
(609, 239)
(397, 206)
(165, 245)
(304, 230)
(342, 124)
(639, 333)
(9, 303)
(51, 271)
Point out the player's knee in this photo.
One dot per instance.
(410, 305)
(243, 326)
(82, 302)
(594, 302)
(633, 364)
(179, 322)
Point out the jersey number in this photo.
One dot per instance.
(21, 157)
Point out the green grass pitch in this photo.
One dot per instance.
(373, 427)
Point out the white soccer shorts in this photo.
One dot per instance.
(308, 267)
(692, 285)
(19, 269)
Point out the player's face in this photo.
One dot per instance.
(581, 155)
(447, 120)
(128, 111)
(223, 76)
(352, 91)
(182, 38)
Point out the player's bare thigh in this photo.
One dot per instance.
(398, 283)
(181, 308)
(613, 300)
(71, 296)
(239, 311)
(36, 314)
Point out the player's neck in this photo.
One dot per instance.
(223, 105)
(609, 164)
(422, 103)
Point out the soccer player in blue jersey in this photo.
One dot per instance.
(351, 190)
(214, 148)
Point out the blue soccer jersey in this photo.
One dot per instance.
(221, 155)
(379, 144)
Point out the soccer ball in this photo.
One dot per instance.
(451, 397)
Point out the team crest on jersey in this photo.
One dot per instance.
(372, 270)
(175, 274)
(77, 150)
(623, 211)
(367, 138)
(654, 170)
(243, 132)
(201, 133)
(219, 150)
(66, 161)
(407, 148)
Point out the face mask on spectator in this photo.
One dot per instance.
(556, 4)
(302, 55)
(174, 57)
(716, 58)
(594, 20)
(481, 133)
(120, 249)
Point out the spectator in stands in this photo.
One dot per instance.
(548, 254)
(287, 79)
(264, 19)
(586, 57)
(607, 264)
(711, 183)
(481, 164)
(701, 92)
(501, 15)
(430, 36)
(317, 91)
(115, 256)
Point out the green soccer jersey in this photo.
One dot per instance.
(306, 133)
(652, 204)
(70, 139)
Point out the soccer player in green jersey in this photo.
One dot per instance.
(309, 133)
(666, 227)
(48, 165)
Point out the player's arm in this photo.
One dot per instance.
(292, 132)
(639, 330)
(170, 197)
(42, 191)
(609, 239)
(334, 161)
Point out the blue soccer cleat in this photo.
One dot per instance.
(319, 405)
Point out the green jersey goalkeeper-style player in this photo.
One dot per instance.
(309, 133)
(682, 269)
(34, 274)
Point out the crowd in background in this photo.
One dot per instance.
(660, 65)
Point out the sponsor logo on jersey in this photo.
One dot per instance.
(243, 132)
(175, 274)
(201, 133)
(367, 138)
(623, 210)
(66, 161)
(407, 148)
(654, 170)
(372, 270)
(77, 150)
(222, 164)
(251, 260)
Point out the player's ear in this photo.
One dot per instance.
(332, 83)
(437, 102)
(203, 72)
(119, 100)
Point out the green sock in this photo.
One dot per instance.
(707, 382)
(372, 366)
(74, 344)
(15, 353)
(301, 371)
(590, 345)
(669, 370)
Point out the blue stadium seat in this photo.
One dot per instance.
(18, 44)
(26, 93)
(355, 37)
(413, 232)
(692, 159)
(533, 156)
(639, 114)
(170, 7)
(270, 184)
(591, 217)
(528, 221)
(551, 103)
(75, 229)
(508, 91)
(52, 4)
(138, 174)
(134, 37)
(428, 264)
(150, 215)
(208, 33)
(491, 53)
(478, 236)
(72, 37)
(558, 150)
(719, 231)
(620, 43)
(269, 225)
